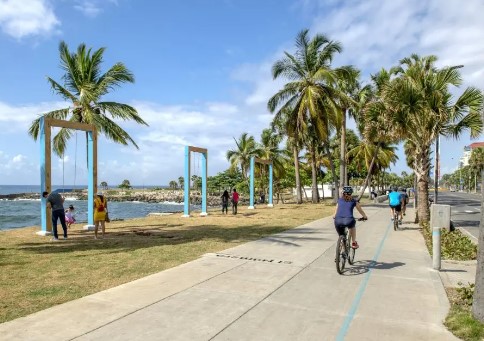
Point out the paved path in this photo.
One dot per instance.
(283, 287)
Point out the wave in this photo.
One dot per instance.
(172, 203)
(25, 199)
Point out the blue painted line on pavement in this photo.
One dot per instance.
(356, 302)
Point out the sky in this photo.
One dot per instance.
(203, 71)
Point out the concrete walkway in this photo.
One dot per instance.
(283, 287)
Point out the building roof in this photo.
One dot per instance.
(477, 145)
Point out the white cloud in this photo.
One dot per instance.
(24, 18)
(18, 118)
(92, 8)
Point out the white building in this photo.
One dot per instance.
(464, 160)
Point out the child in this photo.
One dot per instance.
(70, 217)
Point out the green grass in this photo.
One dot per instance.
(454, 245)
(36, 274)
(460, 320)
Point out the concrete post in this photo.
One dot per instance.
(252, 163)
(43, 188)
(90, 182)
(436, 248)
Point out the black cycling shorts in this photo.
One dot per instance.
(398, 207)
(341, 223)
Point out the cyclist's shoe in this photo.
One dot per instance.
(355, 245)
(404, 214)
(400, 222)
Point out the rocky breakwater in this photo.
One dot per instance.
(16, 196)
(157, 196)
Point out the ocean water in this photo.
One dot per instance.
(22, 213)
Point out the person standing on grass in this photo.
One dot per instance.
(225, 202)
(100, 210)
(56, 202)
(235, 201)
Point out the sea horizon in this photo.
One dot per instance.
(17, 189)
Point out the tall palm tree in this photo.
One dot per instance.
(269, 150)
(347, 106)
(423, 108)
(374, 123)
(84, 85)
(240, 156)
(309, 96)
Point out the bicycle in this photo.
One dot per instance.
(344, 251)
(395, 219)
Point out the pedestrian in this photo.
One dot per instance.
(235, 201)
(225, 202)
(70, 216)
(100, 211)
(56, 202)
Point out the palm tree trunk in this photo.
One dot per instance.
(422, 167)
(333, 172)
(370, 170)
(342, 159)
(314, 175)
(478, 300)
(296, 173)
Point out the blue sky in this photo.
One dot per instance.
(202, 70)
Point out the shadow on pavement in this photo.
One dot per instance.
(363, 266)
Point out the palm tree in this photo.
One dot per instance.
(476, 162)
(84, 85)
(181, 181)
(375, 125)
(240, 156)
(423, 108)
(269, 150)
(308, 99)
(173, 184)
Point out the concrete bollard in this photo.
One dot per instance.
(436, 248)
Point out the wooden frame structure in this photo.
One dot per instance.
(46, 124)
(204, 152)
(253, 160)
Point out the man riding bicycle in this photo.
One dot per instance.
(396, 202)
(403, 193)
(343, 214)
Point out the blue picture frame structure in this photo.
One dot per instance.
(46, 123)
(186, 183)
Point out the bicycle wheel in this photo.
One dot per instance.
(351, 251)
(340, 254)
(395, 222)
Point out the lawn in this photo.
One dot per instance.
(37, 273)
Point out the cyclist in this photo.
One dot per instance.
(343, 214)
(395, 200)
(403, 193)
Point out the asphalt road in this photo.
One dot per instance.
(465, 210)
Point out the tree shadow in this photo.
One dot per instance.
(132, 238)
(363, 266)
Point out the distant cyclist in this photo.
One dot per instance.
(343, 214)
(403, 193)
(395, 200)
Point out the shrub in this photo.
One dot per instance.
(454, 245)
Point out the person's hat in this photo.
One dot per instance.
(71, 207)
(100, 194)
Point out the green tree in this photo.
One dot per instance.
(104, 185)
(125, 184)
(308, 98)
(246, 147)
(423, 108)
(173, 184)
(181, 181)
(84, 86)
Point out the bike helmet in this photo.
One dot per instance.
(394, 188)
(347, 190)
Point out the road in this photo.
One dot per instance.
(465, 210)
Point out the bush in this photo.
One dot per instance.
(454, 245)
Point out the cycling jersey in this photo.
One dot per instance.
(394, 198)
